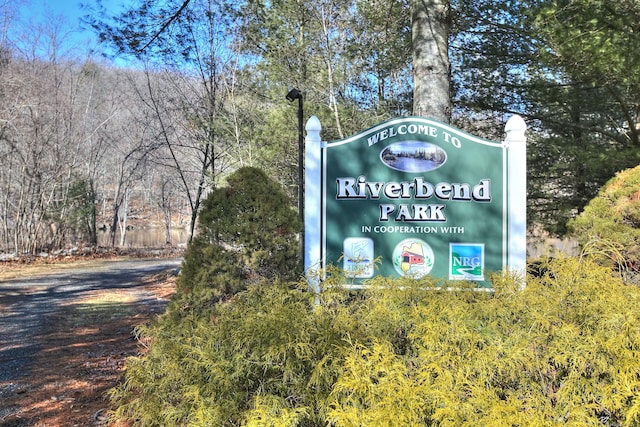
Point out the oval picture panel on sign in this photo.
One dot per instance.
(413, 156)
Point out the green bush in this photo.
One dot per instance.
(209, 273)
(564, 351)
(253, 217)
(247, 232)
(609, 227)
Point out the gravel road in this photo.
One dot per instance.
(27, 305)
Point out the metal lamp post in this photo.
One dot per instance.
(292, 96)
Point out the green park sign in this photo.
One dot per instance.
(415, 197)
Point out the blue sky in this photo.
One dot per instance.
(38, 19)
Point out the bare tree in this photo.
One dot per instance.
(48, 159)
(187, 105)
(40, 153)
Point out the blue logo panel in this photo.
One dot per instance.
(466, 261)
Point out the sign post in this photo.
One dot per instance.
(420, 196)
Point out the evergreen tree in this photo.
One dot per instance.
(567, 67)
(252, 218)
(587, 95)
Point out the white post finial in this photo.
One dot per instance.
(515, 129)
(313, 128)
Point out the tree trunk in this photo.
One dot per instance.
(122, 224)
(431, 68)
(114, 225)
(92, 228)
(165, 207)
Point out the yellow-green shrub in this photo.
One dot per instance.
(608, 229)
(564, 351)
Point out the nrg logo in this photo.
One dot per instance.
(466, 261)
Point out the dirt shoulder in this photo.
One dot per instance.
(82, 352)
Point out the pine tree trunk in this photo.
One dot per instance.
(431, 68)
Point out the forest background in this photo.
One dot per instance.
(141, 130)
